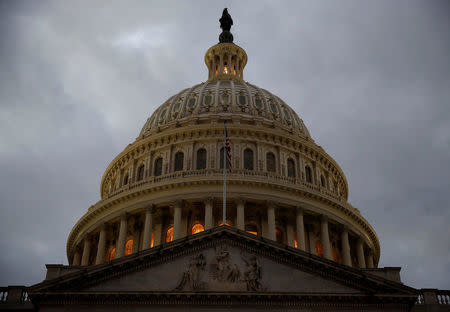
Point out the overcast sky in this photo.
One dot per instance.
(370, 79)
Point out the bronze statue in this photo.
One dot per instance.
(226, 21)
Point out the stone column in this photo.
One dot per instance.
(221, 64)
(101, 245)
(177, 219)
(208, 213)
(120, 249)
(325, 237)
(148, 226)
(271, 221)
(213, 71)
(360, 253)
(76, 257)
(86, 251)
(136, 235)
(300, 229)
(238, 61)
(240, 214)
(345, 247)
(369, 260)
(229, 64)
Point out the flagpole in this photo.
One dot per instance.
(225, 162)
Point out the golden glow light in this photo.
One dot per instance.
(197, 228)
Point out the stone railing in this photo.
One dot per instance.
(14, 295)
(268, 176)
(434, 297)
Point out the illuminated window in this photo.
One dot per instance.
(112, 253)
(295, 241)
(201, 159)
(140, 174)
(252, 229)
(225, 68)
(125, 180)
(226, 222)
(169, 234)
(308, 174)
(152, 240)
(197, 228)
(129, 247)
(270, 162)
(279, 235)
(319, 249)
(179, 159)
(158, 166)
(248, 159)
(291, 168)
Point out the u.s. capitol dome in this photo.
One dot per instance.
(168, 183)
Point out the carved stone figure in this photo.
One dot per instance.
(192, 276)
(253, 273)
(223, 270)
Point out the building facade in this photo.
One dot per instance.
(156, 239)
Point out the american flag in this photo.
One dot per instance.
(228, 148)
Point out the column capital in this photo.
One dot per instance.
(178, 203)
(299, 210)
(151, 208)
(209, 200)
(271, 204)
(345, 228)
(103, 226)
(240, 201)
(124, 216)
(324, 218)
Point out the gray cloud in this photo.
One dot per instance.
(370, 79)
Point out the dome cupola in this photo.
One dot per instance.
(225, 60)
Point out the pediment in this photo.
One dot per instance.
(222, 260)
(222, 268)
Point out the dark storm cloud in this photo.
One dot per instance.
(370, 79)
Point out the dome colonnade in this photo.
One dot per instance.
(167, 184)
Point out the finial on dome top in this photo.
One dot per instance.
(225, 23)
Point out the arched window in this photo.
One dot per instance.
(295, 240)
(308, 174)
(279, 235)
(129, 247)
(158, 166)
(179, 159)
(201, 159)
(251, 228)
(125, 180)
(169, 234)
(248, 159)
(322, 181)
(197, 228)
(112, 253)
(319, 248)
(140, 173)
(152, 240)
(221, 159)
(270, 162)
(291, 168)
